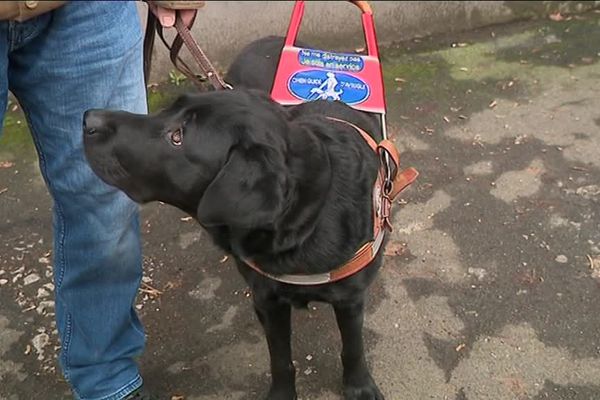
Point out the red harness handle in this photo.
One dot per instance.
(367, 23)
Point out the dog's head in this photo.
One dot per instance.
(218, 155)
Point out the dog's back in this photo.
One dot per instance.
(255, 68)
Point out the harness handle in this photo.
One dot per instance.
(367, 23)
(364, 6)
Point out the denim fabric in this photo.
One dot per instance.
(81, 56)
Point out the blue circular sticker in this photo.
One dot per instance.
(315, 84)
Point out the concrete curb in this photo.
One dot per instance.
(224, 27)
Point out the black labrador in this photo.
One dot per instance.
(285, 187)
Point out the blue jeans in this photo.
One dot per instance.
(81, 56)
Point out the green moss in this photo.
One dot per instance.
(432, 81)
(16, 141)
(162, 95)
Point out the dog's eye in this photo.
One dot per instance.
(176, 137)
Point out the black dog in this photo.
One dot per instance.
(287, 188)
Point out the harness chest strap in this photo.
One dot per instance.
(388, 185)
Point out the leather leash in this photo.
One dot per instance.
(155, 25)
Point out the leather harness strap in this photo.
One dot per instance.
(388, 185)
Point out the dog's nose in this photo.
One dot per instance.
(93, 122)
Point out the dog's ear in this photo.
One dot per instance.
(249, 190)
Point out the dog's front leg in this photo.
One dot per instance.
(275, 319)
(358, 383)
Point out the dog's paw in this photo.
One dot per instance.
(369, 391)
(281, 395)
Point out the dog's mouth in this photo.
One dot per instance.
(110, 155)
(112, 172)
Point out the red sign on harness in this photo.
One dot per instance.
(307, 74)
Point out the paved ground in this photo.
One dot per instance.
(489, 290)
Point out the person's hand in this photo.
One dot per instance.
(166, 16)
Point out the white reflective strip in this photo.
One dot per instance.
(378, 241)
(302, 280)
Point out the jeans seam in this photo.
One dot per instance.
(62, 235)
(66, 345)
(63, 231)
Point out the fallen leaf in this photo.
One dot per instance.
(594, 261)
(146, 288)
(465, 69)
(400, 80)
(557, 16)
(186, 219)
(177, 397)
(222, 260)
(579, 169)
(395, 249)
(6, 164)
(493, 104)
(460, 347)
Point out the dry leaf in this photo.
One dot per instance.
(400, 80)
(446, 119)
(557, 16)
(464, 69)
(177, 397)
(460, 347)
(493, 104)
(186, 219)
(222, 260)
(6, 164)
(594, 261)
(395, 249)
